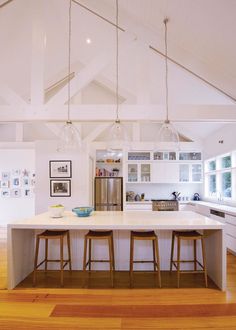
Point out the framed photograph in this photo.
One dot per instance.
(27, 192)
(25, 181)
(25, 172)
(60, 168)
(16, 172)
(60, 188)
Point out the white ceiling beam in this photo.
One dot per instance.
(96, 132)
(136, 136)
(156, 113)
(89, 73)
(183, 130)
(38, 53)
(19, 130)
(10, 96)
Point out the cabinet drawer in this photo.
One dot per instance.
(231, 229)
(231, 243)
(230, 219)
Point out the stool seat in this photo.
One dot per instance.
(51, 233)
(151, 235)
(189, 236)
(98, 235)
(47, 235)
(146, 236)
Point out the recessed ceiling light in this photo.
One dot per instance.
(88, 41)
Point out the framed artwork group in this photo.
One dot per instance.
(17, 183)
(60, 171)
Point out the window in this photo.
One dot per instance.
(219, 176)
(212, 183)
(226, 184)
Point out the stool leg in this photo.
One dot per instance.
(154, 255)
(178, 261)
(172, 251)
(61, 260)
(110, 260)
(36, 260)
(131, 261)
(90, 253)
(158, 261)
(46, 254)
(113, 253)
(195, 254)
(69, 250)
(204, 261)
(84, 261)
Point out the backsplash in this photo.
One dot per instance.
(164, 191)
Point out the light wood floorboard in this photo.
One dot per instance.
(31, 308)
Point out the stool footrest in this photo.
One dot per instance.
(143, 261)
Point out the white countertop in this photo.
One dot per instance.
(126, 220)
(215, 206)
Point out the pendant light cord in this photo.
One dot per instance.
(166, 76)
(69, 64)
(117, 63)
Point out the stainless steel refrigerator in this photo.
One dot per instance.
(108, 194)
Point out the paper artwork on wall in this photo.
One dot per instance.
(5, 193)
(17, 183)
(15, 193)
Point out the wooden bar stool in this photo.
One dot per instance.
(147, 236)
(98, 235)
(52, 234)
(190, 236)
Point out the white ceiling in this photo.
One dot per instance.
(201, 36)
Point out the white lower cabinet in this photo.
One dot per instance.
(139, 207)
(231, 232)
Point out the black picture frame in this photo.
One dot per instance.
(60, 188)
(60, 169)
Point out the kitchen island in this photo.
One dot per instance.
(21, 239)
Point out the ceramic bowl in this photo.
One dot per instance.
(56, 211)
(83, 211)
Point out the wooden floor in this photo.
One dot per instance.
(144, 307)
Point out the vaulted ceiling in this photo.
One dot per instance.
(34, 57)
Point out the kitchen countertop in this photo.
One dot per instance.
(121, 220)
(216, 206)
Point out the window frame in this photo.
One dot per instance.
(218, 195)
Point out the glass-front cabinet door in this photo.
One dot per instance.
(184, 173)
(145, 173)
(196, 172)
(132, 172)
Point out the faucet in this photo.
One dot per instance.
(220, 197)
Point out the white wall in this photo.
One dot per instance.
(227, 134)
(12, 208)
(46, 151)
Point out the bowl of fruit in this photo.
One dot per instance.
(56, 211)
(83, 211)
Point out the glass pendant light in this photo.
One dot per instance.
(167, 132)
(118, 136)
(69, 138)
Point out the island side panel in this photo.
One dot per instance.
(20, 255)
(216, 256)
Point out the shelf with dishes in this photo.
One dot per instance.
(108, 164)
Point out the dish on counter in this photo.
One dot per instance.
(82, 211)
(56, 211)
